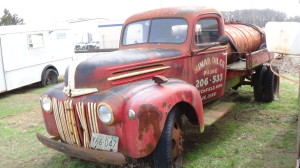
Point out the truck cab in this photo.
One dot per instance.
(129, 103)
(188, 38)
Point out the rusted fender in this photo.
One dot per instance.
(151, 106)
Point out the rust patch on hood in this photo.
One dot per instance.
(148, 116)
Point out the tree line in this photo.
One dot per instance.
(258, 17)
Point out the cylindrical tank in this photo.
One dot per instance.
(245, 38)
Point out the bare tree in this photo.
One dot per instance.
(255, 16)
(294, 19)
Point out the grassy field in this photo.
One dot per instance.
(251, 135)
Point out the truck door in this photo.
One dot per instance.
(2, 75)
(209, 63)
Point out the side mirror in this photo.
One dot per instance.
(223, 40)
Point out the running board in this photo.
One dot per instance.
(214, 112)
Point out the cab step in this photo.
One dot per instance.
(215, 111)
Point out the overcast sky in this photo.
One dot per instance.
(40, 11)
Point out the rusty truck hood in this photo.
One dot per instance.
(124, 66)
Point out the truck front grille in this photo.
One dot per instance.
(75, 124)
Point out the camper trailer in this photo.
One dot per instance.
(31, 54)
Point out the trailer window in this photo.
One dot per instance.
(206, 31)
(35, 41)
(60, 35)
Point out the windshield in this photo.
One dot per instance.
(156, 31)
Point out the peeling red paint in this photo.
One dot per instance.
(164, 104)
(170, 106)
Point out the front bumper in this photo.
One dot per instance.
(104, 157)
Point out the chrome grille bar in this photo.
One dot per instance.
(65, 119)
(82, 118)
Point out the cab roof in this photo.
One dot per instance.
(182, 12)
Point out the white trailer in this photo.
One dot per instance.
(31, 54)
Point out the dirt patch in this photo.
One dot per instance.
(26, 120)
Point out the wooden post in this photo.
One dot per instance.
(298, 129)
(299, 91)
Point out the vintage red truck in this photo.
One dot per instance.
(171, 62)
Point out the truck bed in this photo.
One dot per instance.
(237, 66)
(253, 60)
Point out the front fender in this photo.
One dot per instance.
(152, 105)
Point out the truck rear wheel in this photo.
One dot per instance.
(271, 85)
(50, 77)
(258, 83)
(265, 84)
(168, 152)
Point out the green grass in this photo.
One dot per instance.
(252, 135)
(20, 100)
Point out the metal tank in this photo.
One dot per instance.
(244, 38)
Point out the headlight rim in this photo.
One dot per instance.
(111, 111)
(51, 108)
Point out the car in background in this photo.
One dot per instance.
(81, 46)
(93, 45)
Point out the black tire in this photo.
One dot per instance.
(265, 84)
(83, 48)
(49, 77)
(168, 152)
(258, 83)
(271, 85)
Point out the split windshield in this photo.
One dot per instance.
(156, 31)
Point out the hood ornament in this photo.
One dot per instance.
(159, 79)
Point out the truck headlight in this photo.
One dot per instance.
(105, 113)
(46, 104)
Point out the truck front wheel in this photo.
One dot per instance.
(168, 152)
(50, 77)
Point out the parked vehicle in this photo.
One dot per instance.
(93, 45)
(172, 62)
(30, 54)
(81, 46)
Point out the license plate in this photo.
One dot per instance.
(104, 142)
